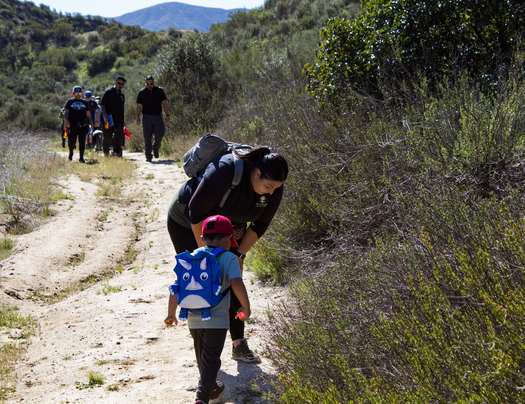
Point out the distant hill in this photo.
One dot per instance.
(177, 15)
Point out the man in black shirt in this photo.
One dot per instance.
(76, 118)
(112, 104)
(150, 101)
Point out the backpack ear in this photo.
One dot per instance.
(185, 264)
(203, 264)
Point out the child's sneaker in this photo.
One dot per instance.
(217, 393)
(245, 354)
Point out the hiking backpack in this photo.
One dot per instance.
(199, 283)
(207, 148)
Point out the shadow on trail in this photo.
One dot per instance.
(251, 383)
(141, 158)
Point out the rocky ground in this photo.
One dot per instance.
(115, 326)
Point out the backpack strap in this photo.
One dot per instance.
(237, 176)
(216, 252)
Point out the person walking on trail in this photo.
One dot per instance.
(76, 119)
(112, 105)
(255, 200)
(209, 336)
(63, 132)
(150, 101)
(93, 110)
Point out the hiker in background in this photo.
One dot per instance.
(112, 105)
(63, 132)
(209, 336)
(150, 101)
(93, 109)
(76, 119)
(255, 200)
(97, 134)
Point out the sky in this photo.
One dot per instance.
(115, 8)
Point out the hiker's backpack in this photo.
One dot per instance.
(199, 283)
(207, 148)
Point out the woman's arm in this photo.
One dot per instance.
(247, 241)
(197, 232)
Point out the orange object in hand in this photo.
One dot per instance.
(241, 315)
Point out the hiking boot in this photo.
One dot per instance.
(217, 393)
(156, 154)
(245, 354)
(81, 160)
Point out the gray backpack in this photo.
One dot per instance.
(207, 148)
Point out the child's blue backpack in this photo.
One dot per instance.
(198, 284)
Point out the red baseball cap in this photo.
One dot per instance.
(219, 225)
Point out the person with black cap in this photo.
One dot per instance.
(76, 119)
(112, 106)
(150, 101)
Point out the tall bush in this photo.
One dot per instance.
(377, 190)
(191, 72)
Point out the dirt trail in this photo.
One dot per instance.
(119, 334)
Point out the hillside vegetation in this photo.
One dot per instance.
(401, 235)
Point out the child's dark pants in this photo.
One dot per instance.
(208, 344)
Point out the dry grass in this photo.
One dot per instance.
(16, 329)
(28, 177)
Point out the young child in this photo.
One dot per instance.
(209, 336)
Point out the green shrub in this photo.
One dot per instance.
(365, 181)
(100, 61)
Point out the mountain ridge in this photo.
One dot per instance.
(177, 15)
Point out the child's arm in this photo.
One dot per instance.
(172, 309)
(240, 291)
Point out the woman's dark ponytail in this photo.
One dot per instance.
(273, 166)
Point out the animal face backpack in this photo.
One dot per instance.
(198, 284)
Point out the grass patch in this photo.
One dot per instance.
(107, 361)
(70, 289)
(19, 328)
(76, 259)
(107, 289)
(61, 196)
(95, 379)
(5, 248)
